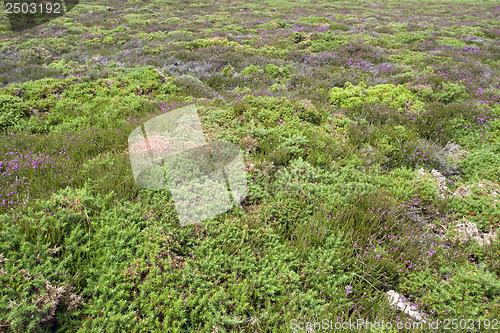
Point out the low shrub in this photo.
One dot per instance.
(12, 111)
(251, 70)
(439, 292)
(353, 97)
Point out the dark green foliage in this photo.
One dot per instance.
(478, 207)
(482, 164)
(275, 71)
(450, 93)
(472, 288)
(325, 42)
(12, 110)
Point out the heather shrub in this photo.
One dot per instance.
(313, 19)
(491, 33)
(195, 87)
(338, 26)
(384, 29)
(380, 247)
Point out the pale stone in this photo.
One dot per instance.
(462, 191)
(408, 308)
(469, 231)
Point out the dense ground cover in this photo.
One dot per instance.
(371, 134)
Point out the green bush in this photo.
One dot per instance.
(478, 207)
(64, 67)
(336, 213)
(251, 70)
(411, 37)
(456, 291)
(109, 40)
(47, 261)
(298, 37)
(451, 41)
(149, 78)
(451, 92)
(275, 71)
(12, 111)
(482, 164)
(325, 42)
(227, 71)
(354, 97)
(294, 145)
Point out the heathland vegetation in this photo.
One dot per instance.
(371, 139)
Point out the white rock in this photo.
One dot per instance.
(406, 307)
(421, 172)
